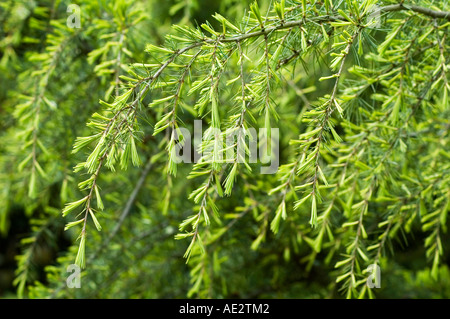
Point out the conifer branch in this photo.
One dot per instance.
(373, 172)
(410, 7)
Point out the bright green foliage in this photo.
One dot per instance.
(358, 89)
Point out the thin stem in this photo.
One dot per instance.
(418, 9)
(330, 109)
(127, 209)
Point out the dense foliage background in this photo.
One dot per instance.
(361, 101)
